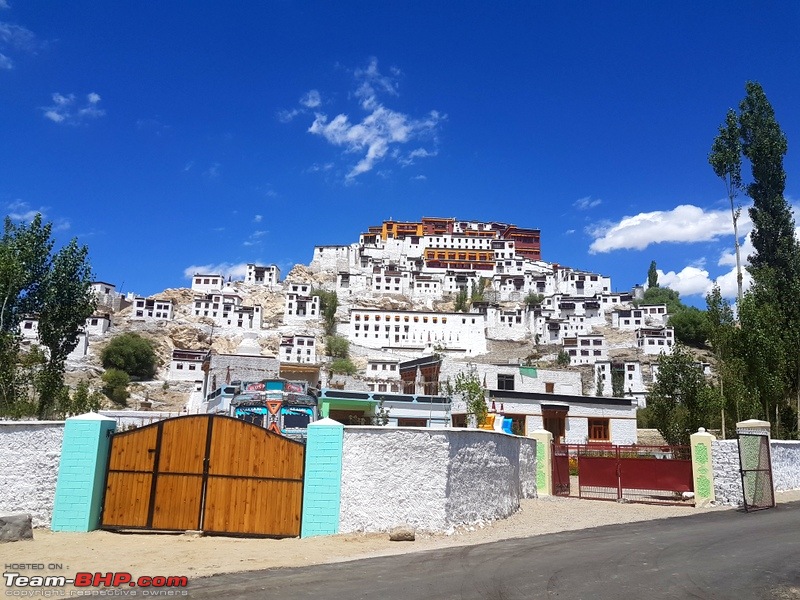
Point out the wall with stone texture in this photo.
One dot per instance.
(29, 456)
(432, 480)
(785, 465)
(728, 480)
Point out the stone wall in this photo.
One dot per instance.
(728, 479)
(29, 456)
(433, 480)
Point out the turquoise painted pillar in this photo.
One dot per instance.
(81, 473)
(322, 489)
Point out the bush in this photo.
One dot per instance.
(343, 366)
(132, 354)
(115, 385)
(562, 360)
(337, 347)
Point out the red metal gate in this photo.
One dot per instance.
(649, 474)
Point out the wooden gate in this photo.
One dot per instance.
(204, 472)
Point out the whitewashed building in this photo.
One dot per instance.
(586, 349)
(187, 365)
(300, 304)
(417, 330)
(655, 340)
(207, 283)
(225, 309)
(262, 275)
(298, 349)
(152, 309)
(98, 324)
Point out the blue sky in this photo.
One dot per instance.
(179, 136)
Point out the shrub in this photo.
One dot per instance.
(337, 346)
(132, 354)
(115, 385)
(343, 366)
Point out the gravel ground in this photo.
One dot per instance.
(162, 554)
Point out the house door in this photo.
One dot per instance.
(555, 421)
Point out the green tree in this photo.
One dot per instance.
(617, 382)
(337, 346)
(342, 366)
(473, 393)
(775, 264)
(681, 400)
(726, 160)
(461, 301)
(663, 295)
(562, 359)
(690, 326)
(533, 299)
(115, 385)
(131, 353)
(652, 276)
(328, 305)
(56, 288)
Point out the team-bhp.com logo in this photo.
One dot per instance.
(120, 583)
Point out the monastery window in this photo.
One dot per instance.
(405, 318)
(424, 319)
(549, 387)
(377, 317)
(139, 313)
(597, 342)
(179, 366)
(366, 317)
(206, 281)
(505, 382)
(192, 367)
(416, 319)
(598, 352)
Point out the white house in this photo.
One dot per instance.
(225, 309)
(152, 309)
(300, 304)
(187, 365)
(298, 349)
(655, 340)
(98, 324)
(586, 349)
(262, 275)
(207, 283)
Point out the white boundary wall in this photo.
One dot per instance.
(29, 455)
(432, 480)
(728, 479)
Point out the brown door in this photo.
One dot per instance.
(555, 421)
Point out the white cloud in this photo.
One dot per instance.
(19, 210)
(586, 203)
(19, 38)
(235, 271)
(683, 224)
(67, 109)
(4, 4)
(312, 99)
(382, 130)
(690, 281)
(257, 218)
(5, 62)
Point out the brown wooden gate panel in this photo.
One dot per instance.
(207, 472)
(258, 476)
(130, 479)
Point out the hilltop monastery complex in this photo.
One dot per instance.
(397, 288)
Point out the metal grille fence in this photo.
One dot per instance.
(756, 468)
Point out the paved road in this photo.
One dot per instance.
(720, 555)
